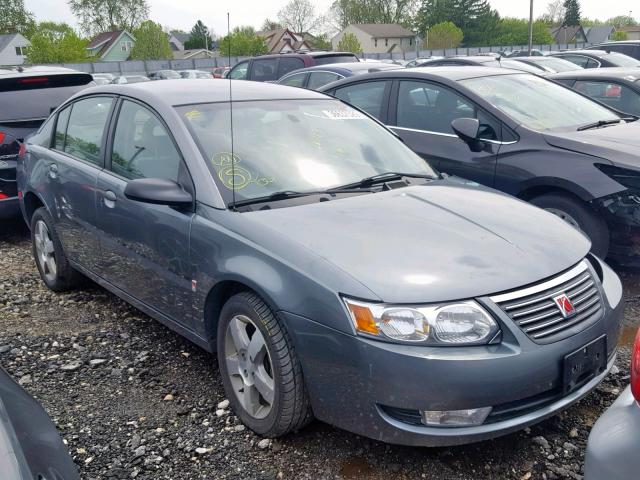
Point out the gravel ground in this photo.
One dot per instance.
(132, 399)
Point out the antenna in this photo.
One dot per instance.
(233, 158)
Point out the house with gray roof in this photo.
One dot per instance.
(569, 34)
(379, 37)
(177, 40)
(596, 35)
(13, 49)
(284, 40)
(112, 46)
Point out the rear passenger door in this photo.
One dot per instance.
(74, 163)
(421, 113)
(145, 247)
(264, 70)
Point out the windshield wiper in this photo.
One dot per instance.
(381, 178)
(603, 123)
(288, 194)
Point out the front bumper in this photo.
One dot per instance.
(377, 389)
(621, 212)
(612, 450)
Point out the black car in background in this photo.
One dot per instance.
(316, 77)
(27, 97)
(522, 134)
(597, 58)
(30, 447)
(626, 47)
(618, 88)
(164, 75)
(269, 68)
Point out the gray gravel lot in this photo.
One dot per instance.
(132, 399)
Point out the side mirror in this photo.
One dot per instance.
(468, 129)
(158, 191)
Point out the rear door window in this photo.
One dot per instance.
(320, 79)
(577, 59)
(289, 64)
(61, 129)
(264, 70)
(239, 72)
(86, 128)
(368, 96)
(295, 80)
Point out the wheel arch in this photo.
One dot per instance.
(31, 203)
(545, 185)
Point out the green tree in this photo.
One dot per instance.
(591, 22)
(243, 41)
(443, 35)
(151, 42)
(15, 18)
(348, 12)
(572, 13)
(320, 42)
(96, 16)
(555, 13)
(200, 37)
(620, 35)
(515, 31)
(54, 42)
(622, 21)
(349, 43)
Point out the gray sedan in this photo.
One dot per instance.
(612, 450)
(335, 273)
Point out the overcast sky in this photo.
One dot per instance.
(184, 13)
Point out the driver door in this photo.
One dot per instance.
(421, 114)
(145, 247)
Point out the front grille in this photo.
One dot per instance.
(536, 313)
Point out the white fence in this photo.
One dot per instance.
(136, 67)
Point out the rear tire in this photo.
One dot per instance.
(53, 266)
(579, 216)
(260, 371)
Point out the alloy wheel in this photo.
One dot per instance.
(45, 252)
(565, 216)
(249, 366)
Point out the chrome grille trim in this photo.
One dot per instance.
(535, 312)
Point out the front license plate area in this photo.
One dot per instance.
(585, 364)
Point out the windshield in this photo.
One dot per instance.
(537, 103)
(621, 60)
(557, 64)
(294, 145)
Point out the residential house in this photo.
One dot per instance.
(193, 54)
(633, 31)
(379, 37)
(566, 34)
(13, 49)
(112, 46)
(283, 40)
(599, 34)
(178, 39)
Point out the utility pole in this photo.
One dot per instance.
(530, 26)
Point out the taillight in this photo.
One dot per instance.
(23, 150)
(31, 80)
(3, 196)
(635, 368)
(2, 135)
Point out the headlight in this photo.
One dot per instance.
(462, 323)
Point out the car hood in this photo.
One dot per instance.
(620, 144)
(447, 240)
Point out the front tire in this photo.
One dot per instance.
(579, 216)
(260, 371)
(53, 266)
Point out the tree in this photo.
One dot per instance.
(555, 13)
(347, 12)
(619, 35)
(572, 13)
(591, 22)
(515, 31)
(443, 35)
(319, 42)
(300, 16)
(15, 18)
(98, 16)
(269, 24)
(200, 37)
(622, 21)
(349, 43)
(151, 42)
(54, 42)
(243, 41)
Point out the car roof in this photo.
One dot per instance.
(38, 71)
(616, 73)
(188, 91)
(585, 52)
(302, 54)
(620, 42)
(348, 67)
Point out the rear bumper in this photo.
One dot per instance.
(9, 208)
(612, 450)
(378, 389)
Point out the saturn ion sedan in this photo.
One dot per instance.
(335, 273)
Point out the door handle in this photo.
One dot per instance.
(110, 199)
(53, 170)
